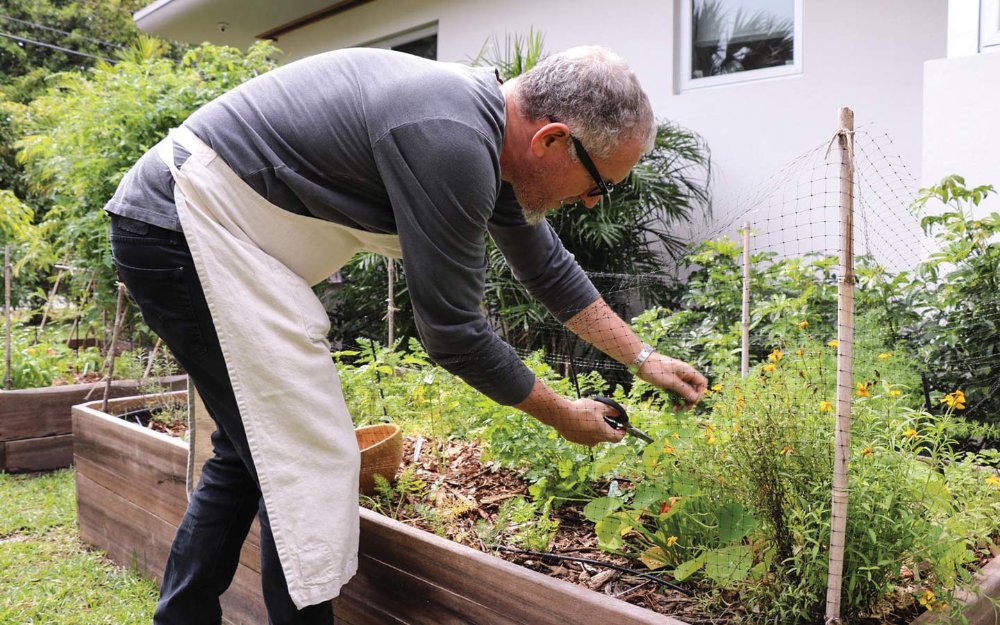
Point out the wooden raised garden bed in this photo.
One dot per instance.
(35, 423)
(131, 496)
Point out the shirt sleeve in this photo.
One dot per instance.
(441, 177)
(539, 260)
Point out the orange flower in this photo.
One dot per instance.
(863, 390)
(825, 406)
(866, 451)
(955, 400)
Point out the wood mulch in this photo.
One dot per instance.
(459, 480)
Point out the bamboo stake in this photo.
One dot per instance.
(845, 359)
(48, 304)
(6, 307)
(119, 316)
(745, 319)
(152, 357)
(391, 300)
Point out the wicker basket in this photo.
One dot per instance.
(381, 453)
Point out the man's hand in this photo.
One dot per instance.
(578, 421)
(675, 376)
(584, 423)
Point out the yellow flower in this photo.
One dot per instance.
(710, 434)
(769, 367)
(825, 406)
(866, 451)
(833, 343)
(885, 355)
(787, 450)
(955, 400)
(775, 355)
(671, 541)
(668, 448)
(911, 433)
(993, 480)
(717, 388)
(863, 390)
(800, 352)
(927, 599)
(803, 324)
(895, 393)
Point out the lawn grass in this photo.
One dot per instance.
(47, 576)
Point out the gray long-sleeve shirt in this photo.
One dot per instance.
(392, 143)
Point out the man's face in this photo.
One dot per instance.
(556, 179)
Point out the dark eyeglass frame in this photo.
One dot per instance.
(604, 188)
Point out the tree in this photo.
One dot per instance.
(85, 133)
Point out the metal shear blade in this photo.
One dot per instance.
(620, 421)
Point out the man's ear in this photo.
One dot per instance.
(548, 137)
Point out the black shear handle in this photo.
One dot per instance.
(619, 421)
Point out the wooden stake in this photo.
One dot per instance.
(119, 317)
(845, 359)
(48, 305)
(745, 319)
(6, 307)
(391, 300)
(152, 357)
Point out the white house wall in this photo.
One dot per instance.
(961, 121)
(866, 54)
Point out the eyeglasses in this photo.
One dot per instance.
(604, 188)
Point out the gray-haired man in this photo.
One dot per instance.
(221, 229)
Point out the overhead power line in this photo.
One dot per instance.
(54, 47)
(61, 32)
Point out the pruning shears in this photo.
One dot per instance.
(620, 421)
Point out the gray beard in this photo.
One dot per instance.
(533, 217)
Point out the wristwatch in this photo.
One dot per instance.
(640, 358)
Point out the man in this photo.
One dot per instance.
(219, 231)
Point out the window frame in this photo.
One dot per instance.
(989, 24)
(406, 36)
(686, 83)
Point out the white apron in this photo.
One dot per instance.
(256, 263)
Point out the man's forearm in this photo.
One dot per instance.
(604, 329)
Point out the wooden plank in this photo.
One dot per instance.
(39, 412)
(141, 465)
(131, 536)
(388, 594)
(516, 592)
(136, 539)
(351, 612)
(38, 454)
(243, 603)
(3, 455)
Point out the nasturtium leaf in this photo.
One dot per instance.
(601, 507)
(687, 569)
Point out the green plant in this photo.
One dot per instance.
(741, 499)
(955, 295)
(519, 523)
(90, 127)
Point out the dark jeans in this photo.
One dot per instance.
(155, 265)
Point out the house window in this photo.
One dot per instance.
(729, 41)
(420, 42)
(989, 25)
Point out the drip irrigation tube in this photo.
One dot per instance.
(623, 569)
